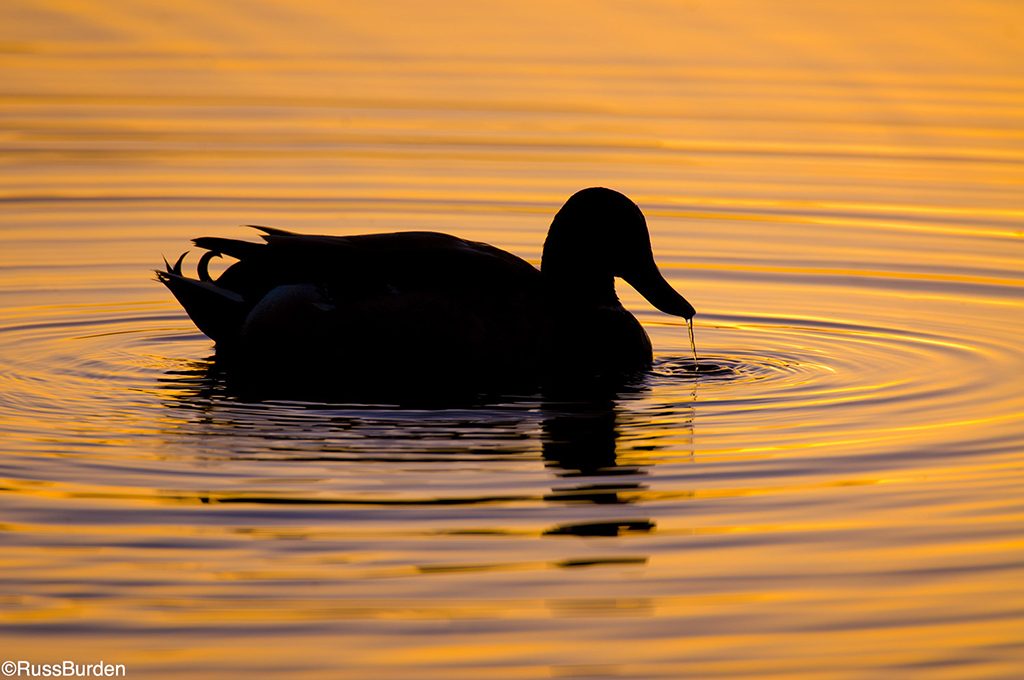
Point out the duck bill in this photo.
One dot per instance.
(649, 282)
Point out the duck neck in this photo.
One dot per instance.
(577, 287)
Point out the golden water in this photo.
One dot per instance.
(835, 186)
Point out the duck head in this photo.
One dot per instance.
(597, 235)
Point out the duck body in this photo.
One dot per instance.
(421, 310)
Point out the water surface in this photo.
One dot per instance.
(836, 188)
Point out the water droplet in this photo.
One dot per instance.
(693, 345)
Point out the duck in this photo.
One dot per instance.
(431, 310)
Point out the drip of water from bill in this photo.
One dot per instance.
(693, 345)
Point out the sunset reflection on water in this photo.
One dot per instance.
(835, 186)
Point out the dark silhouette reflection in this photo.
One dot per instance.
(232, 424)
(580, 438)
(579, 433)
(580, 441)
(614, 528)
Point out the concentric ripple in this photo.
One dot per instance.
(802, 432)
(802, 373)
(832, 490)
(727, 368)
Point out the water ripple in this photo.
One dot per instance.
(838, 472)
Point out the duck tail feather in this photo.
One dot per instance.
(203, 268)
(216, 311)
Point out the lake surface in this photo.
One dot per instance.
(837, 187)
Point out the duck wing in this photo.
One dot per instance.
(364, 271)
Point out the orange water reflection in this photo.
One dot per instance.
(836, 186)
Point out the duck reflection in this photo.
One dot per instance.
(578, 433)
(580, 442)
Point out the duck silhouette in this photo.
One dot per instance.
(432, 311)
